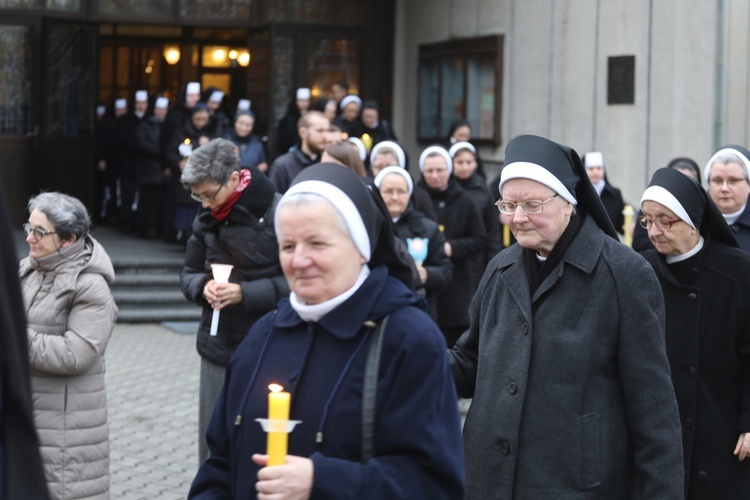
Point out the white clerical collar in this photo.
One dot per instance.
(732, 218)
(540, 258)
(671, 259)
(313, 312)
(599, 186)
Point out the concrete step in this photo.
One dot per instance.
(149, 298)
(136, 315)
(163, 280)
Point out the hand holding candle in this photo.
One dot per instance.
(221, 274)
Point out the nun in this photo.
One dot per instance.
(727, 173)
(363, 363)
(611, 196)
(705, 279)
(564, 356)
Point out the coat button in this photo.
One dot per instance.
(688, 422)
(512, 388)
(504, 448)
(692, 371)
(525, 328)
(735, 228)
(692, 297)
(702, 475)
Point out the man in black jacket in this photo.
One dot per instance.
(313, 132)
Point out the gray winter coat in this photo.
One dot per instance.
(70, 315)
(571, 387)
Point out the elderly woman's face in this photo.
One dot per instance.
(39, 247)
(678, 239)
(728, 186)
(540, 231)
(436, 173)
(395, 193)
(319, 259)
(243, 125)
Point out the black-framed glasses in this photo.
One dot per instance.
(732, 182)
(662, 223)
(529, 206)
(39, 233)
(209, 199)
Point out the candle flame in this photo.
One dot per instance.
(187, 141)
(275, 388)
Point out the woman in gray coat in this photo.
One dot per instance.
(565, 355)
(70, 314)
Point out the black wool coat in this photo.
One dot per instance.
(614, 205)
(462, 227)
(481, 196)
(741, 230)
(708, 345)
(247, 240)
(149, 163)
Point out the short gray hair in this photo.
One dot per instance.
(66, 213)
(215, 161)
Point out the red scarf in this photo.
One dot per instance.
(223, 210)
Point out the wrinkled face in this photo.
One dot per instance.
(728, 186)
(212, 194)
(303, 105)
(464, 164)
(383, 160)
(369, 117)
(330, 110)
(243, 125)
(435, 172)
(595, 173)
(540, 231)
(317, 255)
(191, 100)
(49, 243)
(678, 239)
(395, 192)
(462, 134)
(200, 120)
(315, 137)
(350, 112)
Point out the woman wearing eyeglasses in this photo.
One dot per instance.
(705, 279)
(70, 316)
(727, 173)
(234, 226)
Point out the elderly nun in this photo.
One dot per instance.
(364, 364)
(705, 279)
(564, 355)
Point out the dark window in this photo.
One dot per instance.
(15, 80)
(51, 5)
(460, 80)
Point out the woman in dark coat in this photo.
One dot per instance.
(705, 279)
(234, 226)
(465, 236)
(248, 145)
(435, 268)
(611, 196)
(464, 157)
(364, 366)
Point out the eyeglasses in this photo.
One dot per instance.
(662, 223)
(39, 233)
(729, 182)
(387, 193)
(530, 206)
(208, 199)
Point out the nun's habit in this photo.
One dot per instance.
(706, 294)
(571, 387)
(611, 196)
(738, 223)
(320, 360)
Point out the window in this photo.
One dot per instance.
(461, 80)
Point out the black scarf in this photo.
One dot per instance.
(536, 271)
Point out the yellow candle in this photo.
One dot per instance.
(506, 236)
(278, 409)
(367, 141)
(628, 226)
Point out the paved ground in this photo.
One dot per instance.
(152, 388)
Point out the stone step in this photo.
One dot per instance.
(139, 315)
(163, 280)
(149, 298)
(148, 267)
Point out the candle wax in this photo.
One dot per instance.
(278, 409)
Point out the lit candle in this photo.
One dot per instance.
(367, 141)
(628, 225)
(278, 410)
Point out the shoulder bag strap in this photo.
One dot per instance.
(369, 391)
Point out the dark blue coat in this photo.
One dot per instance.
(741, 229)
(417, 445)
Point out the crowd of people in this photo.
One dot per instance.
(377, 297)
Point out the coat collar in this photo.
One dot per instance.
(344, 322)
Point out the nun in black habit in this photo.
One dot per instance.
(564, 356)
(705, 279)
(353, 345)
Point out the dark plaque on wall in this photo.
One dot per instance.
(621, 80)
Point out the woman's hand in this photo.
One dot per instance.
(448, 249)
(742, 450)
(422, 274)
(221, 295)
(291, 481)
